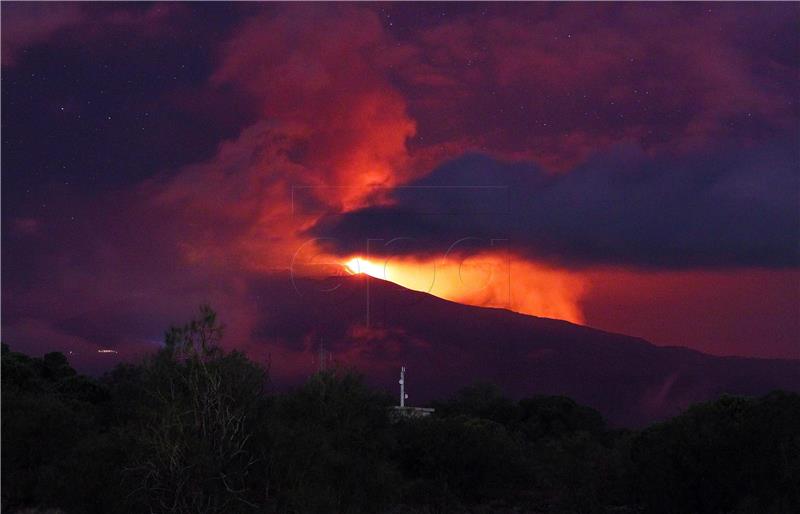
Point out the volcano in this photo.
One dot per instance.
(376, 326)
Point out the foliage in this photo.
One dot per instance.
(731, 455)
(194, 445)
(58, 449)
(332, 438)
(455, 461)
(480, 400)
(194, 428)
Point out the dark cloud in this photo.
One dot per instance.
(26, 24)
(724, 209)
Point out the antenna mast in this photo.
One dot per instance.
(403, 394)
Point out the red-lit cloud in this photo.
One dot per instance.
(555, 84)
(349, 107)
(317, 76)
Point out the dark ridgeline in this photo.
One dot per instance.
(447, 344)
(194, 429)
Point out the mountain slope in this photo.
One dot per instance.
(377, 326)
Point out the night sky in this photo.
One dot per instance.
(631, 167)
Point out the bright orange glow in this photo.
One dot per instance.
(358, 265)
(486, 280)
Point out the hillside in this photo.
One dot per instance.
(376, 326)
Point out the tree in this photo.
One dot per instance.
(734, 454)
(332, 447)
(58, 450)
(459, 459)
(479, 400)
(194, 437)
(556, 416)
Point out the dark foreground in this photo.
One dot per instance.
(195, 429)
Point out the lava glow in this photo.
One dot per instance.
(359, 265)
(485, 280)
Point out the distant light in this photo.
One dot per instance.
(106, 351)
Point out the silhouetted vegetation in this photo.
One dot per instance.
(194, 429)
